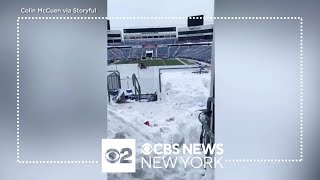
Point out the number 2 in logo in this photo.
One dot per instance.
(112, 155)
(118, 155)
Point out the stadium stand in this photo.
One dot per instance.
(149, 41)
(162, 52)
(136, 53)
(180, 50)
(202, 53)
(172, 50)
(115, 53)
(190, 43)
(126, 52)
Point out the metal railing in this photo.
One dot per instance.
(113, 82)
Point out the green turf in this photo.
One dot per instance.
(154, 62)
(188, 62)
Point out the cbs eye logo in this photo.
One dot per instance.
(113, 156)
(118, 155)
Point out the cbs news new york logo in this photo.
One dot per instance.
(118, 155)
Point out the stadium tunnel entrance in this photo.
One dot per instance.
(149, 53)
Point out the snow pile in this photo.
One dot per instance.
(173, 119)
(186, 88)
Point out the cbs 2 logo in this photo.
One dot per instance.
(113, 155)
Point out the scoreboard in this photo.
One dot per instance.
(195, 20)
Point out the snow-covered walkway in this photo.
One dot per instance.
(173, 120)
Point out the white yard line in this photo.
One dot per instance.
(182, 61)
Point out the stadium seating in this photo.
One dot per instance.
(196, 52)
(170, 48)
(115, 54)
(126, 52)
(202, 53)
(115, 44)
(148, 41)
(162, 52)
(136, 53)
(179, 50)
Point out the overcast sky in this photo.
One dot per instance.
(157, 8)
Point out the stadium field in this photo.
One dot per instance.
(187, 61)
(156, 62)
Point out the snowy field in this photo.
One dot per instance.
(173, 118)
(148, 78)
